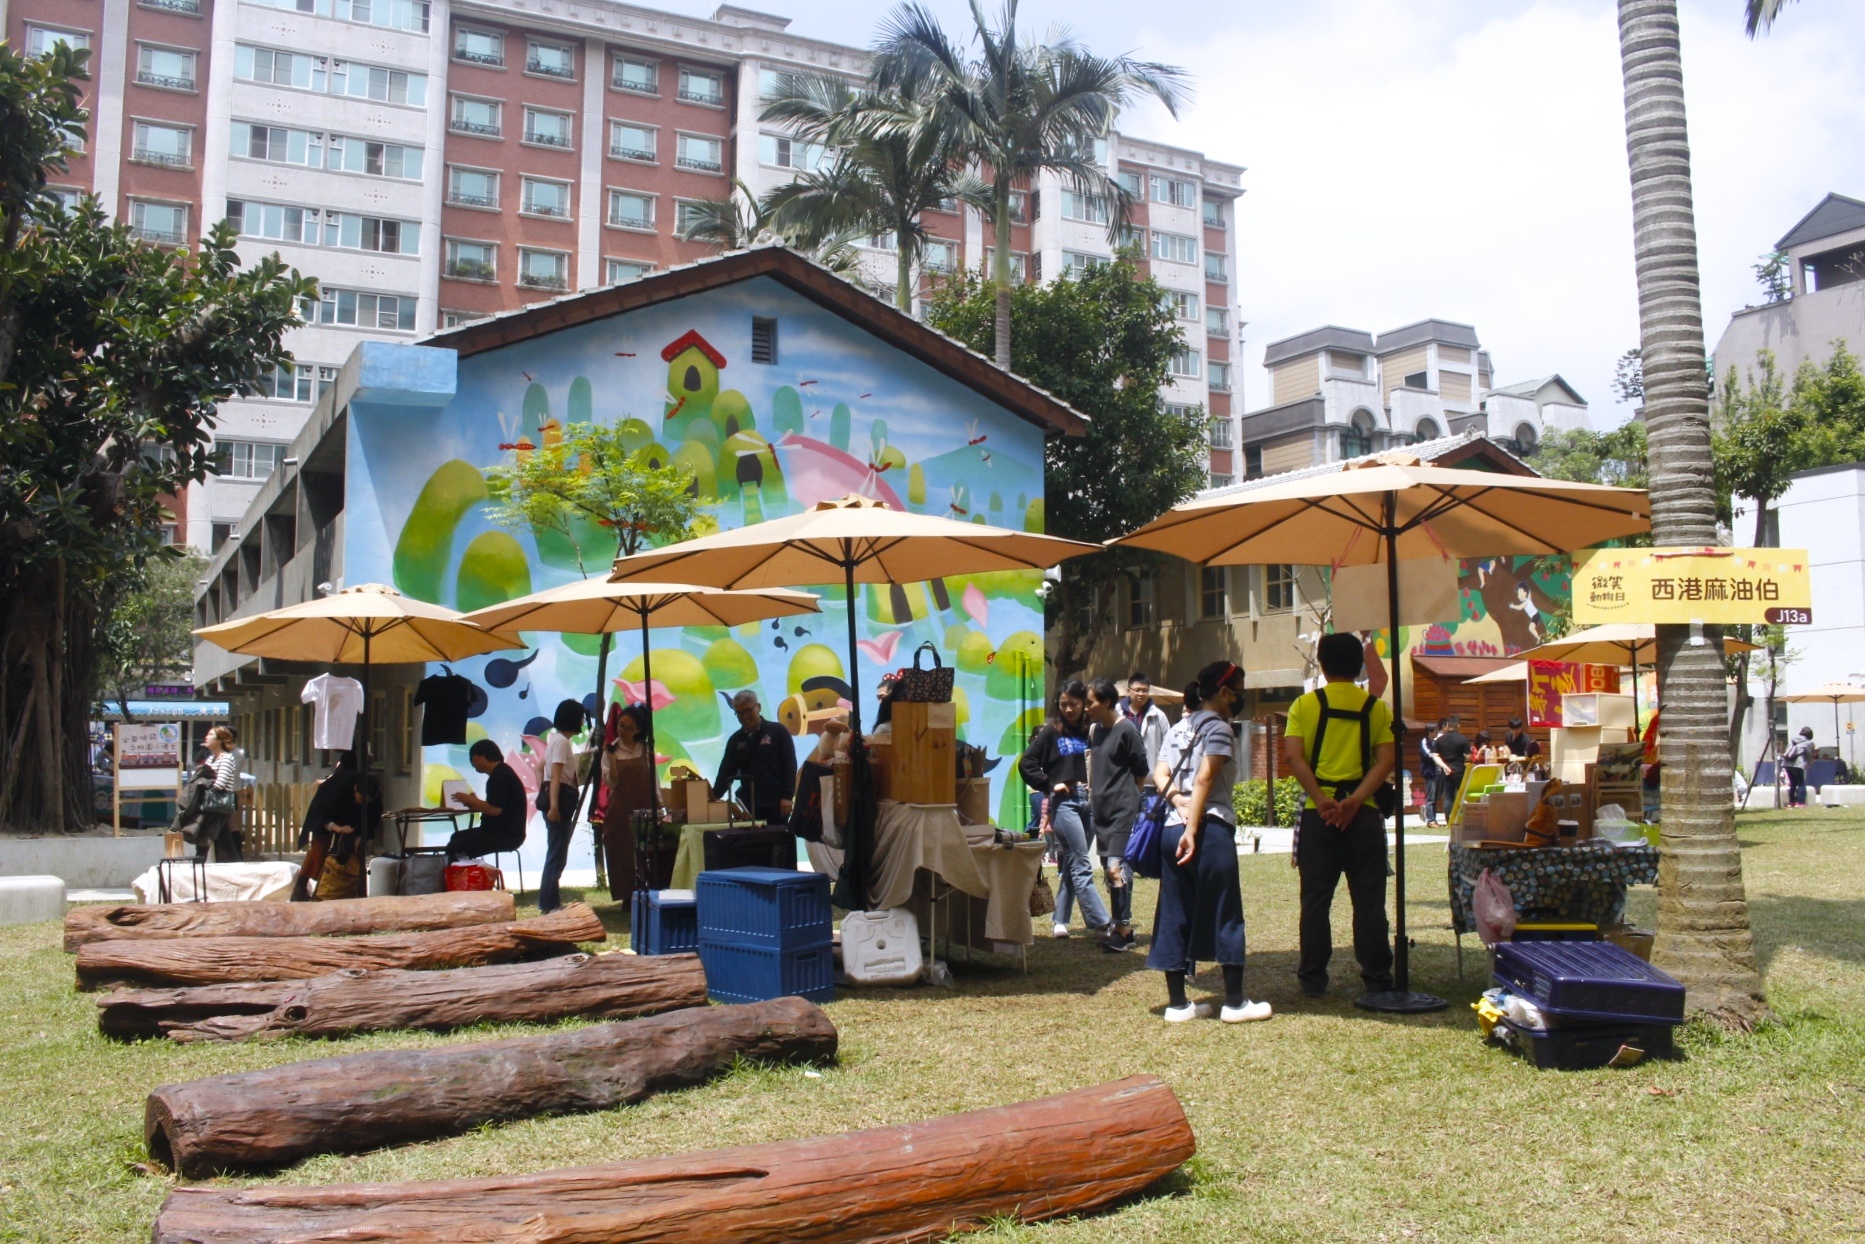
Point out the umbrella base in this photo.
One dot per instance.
(1400, 1002)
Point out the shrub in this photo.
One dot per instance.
(1251, 800)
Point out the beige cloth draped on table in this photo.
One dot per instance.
(909, 837)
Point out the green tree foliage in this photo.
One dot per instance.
(590, 488)
(892, 160)
(113, 355)
(148, 635)
(1766, 430)
(1774, 275)
(1616, 456)
(1102, 343)
(1018, 108)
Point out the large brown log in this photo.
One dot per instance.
(1067, 1154)
(606, 986)
(210, 960)
(399, 914)
(387, 1097)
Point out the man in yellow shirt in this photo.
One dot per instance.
(1339, 746)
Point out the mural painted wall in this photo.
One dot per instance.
(839, 412)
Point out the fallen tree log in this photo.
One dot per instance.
(1067, 1154)
(606, 986)
(387, 1097)
(211, 960)
(399, 914)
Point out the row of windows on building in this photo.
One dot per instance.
(1223, 591)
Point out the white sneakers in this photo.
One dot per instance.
(1248, 1013)
(1060, 930)
(1190, 1011)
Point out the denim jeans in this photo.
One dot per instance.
(1068, 821)
(556, 855)
(1796, 787)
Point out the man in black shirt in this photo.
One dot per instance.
(762, 758)
(1454, 750)
(501, 813)
(1521, 744)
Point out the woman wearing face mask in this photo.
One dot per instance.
(1056, 763)
(1200, 911)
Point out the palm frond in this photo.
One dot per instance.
(1761, 15)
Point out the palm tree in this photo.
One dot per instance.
(1703, 927)
(1761, 15)
(739, 220)
(889, 162)
(1019, 109)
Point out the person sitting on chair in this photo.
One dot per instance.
(501, 813)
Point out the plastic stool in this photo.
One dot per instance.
(498, 862)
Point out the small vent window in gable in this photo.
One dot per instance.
(763, 340)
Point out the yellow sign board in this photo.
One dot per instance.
(1722, 586)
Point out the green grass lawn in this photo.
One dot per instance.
(1327, 1123)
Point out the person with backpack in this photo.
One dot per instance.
(1199, 915)
(1339, 745)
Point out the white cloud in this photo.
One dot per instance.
(1466, 158)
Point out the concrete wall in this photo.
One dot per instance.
(85, 861)
(1800, 329)
(1824, 513)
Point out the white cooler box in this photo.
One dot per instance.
(881, 947)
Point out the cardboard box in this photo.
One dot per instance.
(1584, 709)
(1582, 743)
(692, 795)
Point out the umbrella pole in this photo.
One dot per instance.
(595, 759)
(654, 772)
(856, 840)
(1400, 998)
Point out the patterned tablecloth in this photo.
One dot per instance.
(1582, 883)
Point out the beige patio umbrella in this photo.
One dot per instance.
(1616, 643)
(601, 607)
(1515, 671)
(1384, 510)
(1836, 693)
(370, 624)
(858, 540)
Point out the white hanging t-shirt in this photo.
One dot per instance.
(339, 702)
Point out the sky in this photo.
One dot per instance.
(1465, 159)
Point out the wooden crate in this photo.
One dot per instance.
(920, 760)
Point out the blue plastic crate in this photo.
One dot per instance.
(772, 908)
(736, 973)
(660, 925)
(1586, 1045)
(1589, 982)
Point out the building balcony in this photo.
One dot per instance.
(700, 166)
(554, 210)
(639, 88)
(164, 81)
(633, 153)
(548, 140)
(160, 237)
(702, 97)
(542, 280)
(460, 198)
(476, 127)
(172, 6)
(471, 270)
(549, 70)
(495, 59)
(168, 159)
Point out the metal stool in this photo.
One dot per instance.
(165, 877)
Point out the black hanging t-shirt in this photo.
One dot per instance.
(446, 698)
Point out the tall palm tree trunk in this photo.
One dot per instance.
(1703, 927)
(1000, 273)
(903, 270)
